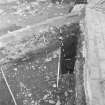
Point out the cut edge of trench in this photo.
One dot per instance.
(80, 84)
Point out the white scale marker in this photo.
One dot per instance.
(8, 86)
(58, 74)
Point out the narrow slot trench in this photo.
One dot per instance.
(72, 62)
(68, 53)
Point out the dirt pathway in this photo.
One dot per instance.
(95, 57)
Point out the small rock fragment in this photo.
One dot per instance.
(45, 67)
(70, 91)
(25, 102)
(15, 69)
(1, 11)
(47, 78)
(45, 97)
(32, 102)
(48, 59)
(58, 102)
(61, 14)
(51, 101)
(29, 95)
(54, 85)
(66, 94)
(33, 67)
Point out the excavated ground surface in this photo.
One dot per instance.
(33, 79)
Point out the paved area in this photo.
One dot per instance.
(95, 57)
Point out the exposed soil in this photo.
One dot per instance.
(33, 78)
(34, 81)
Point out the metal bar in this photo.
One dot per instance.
(8, 86)
(58, 74)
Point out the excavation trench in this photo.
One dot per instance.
(33, 78)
